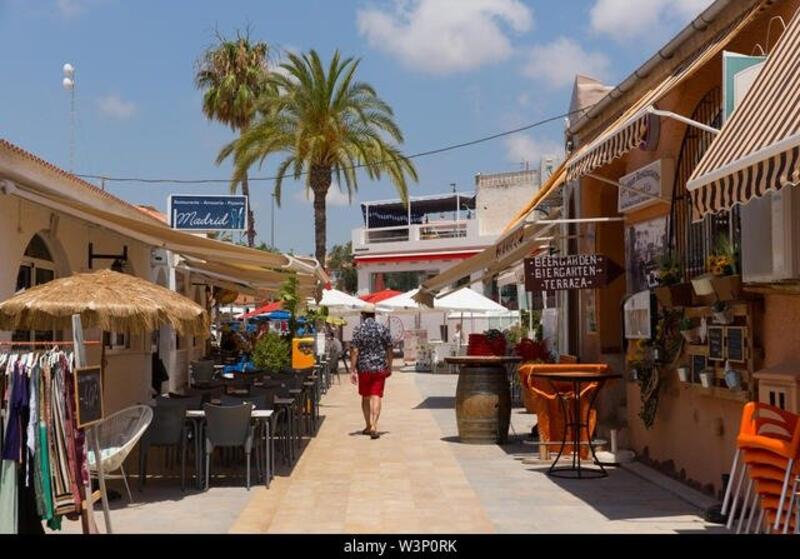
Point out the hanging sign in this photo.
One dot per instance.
(208, 213)
(88, 395)
(567, 273)
(644, 187)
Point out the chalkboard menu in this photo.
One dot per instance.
(89, 395)
(716, 343)
(736, 344)
(699, 364)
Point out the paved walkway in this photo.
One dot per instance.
(418, 478)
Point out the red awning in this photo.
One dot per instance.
(268, 308)
(379, 296)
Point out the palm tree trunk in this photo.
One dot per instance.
(251, 222)
(320, 184)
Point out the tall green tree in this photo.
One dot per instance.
(327, 124)
(340, 263)
(232, 75)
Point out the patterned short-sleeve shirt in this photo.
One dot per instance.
(372, 340)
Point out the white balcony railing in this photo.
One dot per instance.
(440, 233)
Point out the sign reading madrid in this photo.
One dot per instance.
(563, 273)
(208, 213)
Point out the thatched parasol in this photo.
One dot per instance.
(107, 300)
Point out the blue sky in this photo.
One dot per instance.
(453, 70)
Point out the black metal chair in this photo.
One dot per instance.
(228, 427)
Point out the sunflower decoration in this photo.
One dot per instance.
(723, 261)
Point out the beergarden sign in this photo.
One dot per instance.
(208, 213)
(565, 273)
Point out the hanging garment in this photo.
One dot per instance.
(8, 497)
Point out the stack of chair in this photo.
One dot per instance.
(763, 479)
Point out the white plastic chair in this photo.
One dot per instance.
(118, 434)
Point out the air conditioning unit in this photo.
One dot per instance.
(771, 237)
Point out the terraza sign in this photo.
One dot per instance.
(565, 273)
(208, 213)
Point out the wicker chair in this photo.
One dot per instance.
(118, 434)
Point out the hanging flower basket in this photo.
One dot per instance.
(727, 288)
(678, 295)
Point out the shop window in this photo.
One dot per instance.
(116, 340)
(36, 268)
(694, 242)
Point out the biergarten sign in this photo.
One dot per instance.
(567, 273)
(644, 187)
(208, 213)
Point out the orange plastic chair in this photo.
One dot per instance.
(767, 448)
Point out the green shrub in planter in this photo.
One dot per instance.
(271, 352)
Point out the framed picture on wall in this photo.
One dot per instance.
(644, 244)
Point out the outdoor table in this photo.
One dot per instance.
(575, 375)
(263, 416)
(483, 398)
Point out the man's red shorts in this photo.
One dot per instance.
(371, 384)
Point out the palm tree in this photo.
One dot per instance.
(327, 124)
(232, 75)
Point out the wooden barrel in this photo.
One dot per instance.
(483, 404)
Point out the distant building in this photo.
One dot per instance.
(400, 246)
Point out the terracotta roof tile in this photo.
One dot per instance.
(81, 183)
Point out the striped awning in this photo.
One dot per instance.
(632, 129)
(758, 150)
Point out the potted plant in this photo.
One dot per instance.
(271, 352)
(722, 313)
(670, 291)
(725, 281)
(688, 331)
(497, 342)
(707, 378)
(683, 374)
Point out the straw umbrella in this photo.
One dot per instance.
(107, 300)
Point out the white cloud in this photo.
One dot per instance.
(524, 147)
(555, 64)
(335, 197)
(623, 20)
(116, 107)
(445, 36)
(71, 8)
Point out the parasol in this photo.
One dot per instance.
(104, 299)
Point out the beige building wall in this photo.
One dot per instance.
(498, 196)
(127, 379)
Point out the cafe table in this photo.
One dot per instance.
(483, 398)
(567, 381)
(198, 417)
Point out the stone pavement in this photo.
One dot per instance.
(417, 478)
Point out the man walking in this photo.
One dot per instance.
(371, 364)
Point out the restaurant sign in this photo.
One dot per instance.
(645, 186)
(208, 212)
(566, 273)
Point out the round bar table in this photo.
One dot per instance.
(483, 398)
(558, 376)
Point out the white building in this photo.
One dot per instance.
(400, 246)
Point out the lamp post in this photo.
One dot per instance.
(69, 85)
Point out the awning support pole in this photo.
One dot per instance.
(623, 187)
(680, 118)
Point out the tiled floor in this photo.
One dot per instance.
(417, 478)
